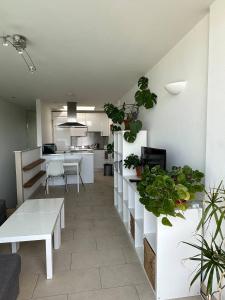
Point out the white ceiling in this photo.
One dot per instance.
(96, 49)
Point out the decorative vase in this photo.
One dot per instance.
(138, 171)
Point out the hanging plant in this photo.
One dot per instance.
(144, 97)
(128, 113)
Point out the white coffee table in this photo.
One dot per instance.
(36, 220)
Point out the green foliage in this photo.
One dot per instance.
(167, 193)
(211, 260)
(214, 209)
(135, 127)
(110, 148)
(115, 128)
(144, 97)
(132, 161)
(114, 113)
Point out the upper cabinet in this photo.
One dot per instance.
(96, 121)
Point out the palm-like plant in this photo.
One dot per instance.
(214, 210)
(211, 260)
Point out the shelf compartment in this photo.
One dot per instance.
(150, 263)
(151, 239)
(33, 164)
(34, 179)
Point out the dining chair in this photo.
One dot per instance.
(73, 167)
(54, 168)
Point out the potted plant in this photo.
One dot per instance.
(128, 113)
(134, 162)
(211, 254)
(168, 193)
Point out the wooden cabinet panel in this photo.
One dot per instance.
(132, 226)
(149, 262)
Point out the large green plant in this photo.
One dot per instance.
(164, 193)
(132, 161)
(128, 112)
(144, 97)
(114, 113)
(211, 257)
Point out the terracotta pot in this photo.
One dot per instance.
(126, 124)
(138, 171)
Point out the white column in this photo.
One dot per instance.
(15, 247)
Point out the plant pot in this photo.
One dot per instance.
(138, 171)
(126, 124)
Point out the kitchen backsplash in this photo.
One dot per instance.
(92, 139)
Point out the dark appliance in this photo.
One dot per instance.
(49, 148)
(153, 157)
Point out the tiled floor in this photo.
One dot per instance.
(96, 260)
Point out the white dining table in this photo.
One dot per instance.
(36, 220)
(74, 163)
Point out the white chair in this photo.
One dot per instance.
(54, 168)
(73, 167)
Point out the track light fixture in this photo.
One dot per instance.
(19, 42)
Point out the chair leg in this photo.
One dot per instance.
(82, 181)
(66, 185)
(46, 186)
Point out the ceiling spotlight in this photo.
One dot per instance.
(5, 42)
(20, 51)
(19, 42)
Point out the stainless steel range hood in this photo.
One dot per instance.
(72, 117)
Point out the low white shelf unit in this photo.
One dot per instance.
(159, 248)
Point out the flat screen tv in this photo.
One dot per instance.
(153, 157)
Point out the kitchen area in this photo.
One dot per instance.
(68, 132)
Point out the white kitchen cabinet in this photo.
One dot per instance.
(98, 122)
(99, 158)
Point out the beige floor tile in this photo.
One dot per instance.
(37, 264)
(59, 297)
(121, 275)
(130, 255)
(119, 293)
(68, 282)
(67, 235)
(27, 285)
(79, 244)
(112, 242)
(145, 291)
(97, 258)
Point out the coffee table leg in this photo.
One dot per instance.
(15, 247)
(57, 234)
(62, 214)
(49, 266)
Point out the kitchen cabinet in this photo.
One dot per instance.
(98, 122)
(99, 159)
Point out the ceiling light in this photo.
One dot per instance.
(5, 42)
(85, 107)
(89, 108)
(19, 42)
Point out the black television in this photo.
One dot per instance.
(152, 157)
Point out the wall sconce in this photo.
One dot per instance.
(175, 88)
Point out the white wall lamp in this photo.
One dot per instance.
(19, 42)
(175, 88)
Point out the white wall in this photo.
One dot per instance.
(44, 123)
(178, 123)
(215, 148)
(13, 137)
